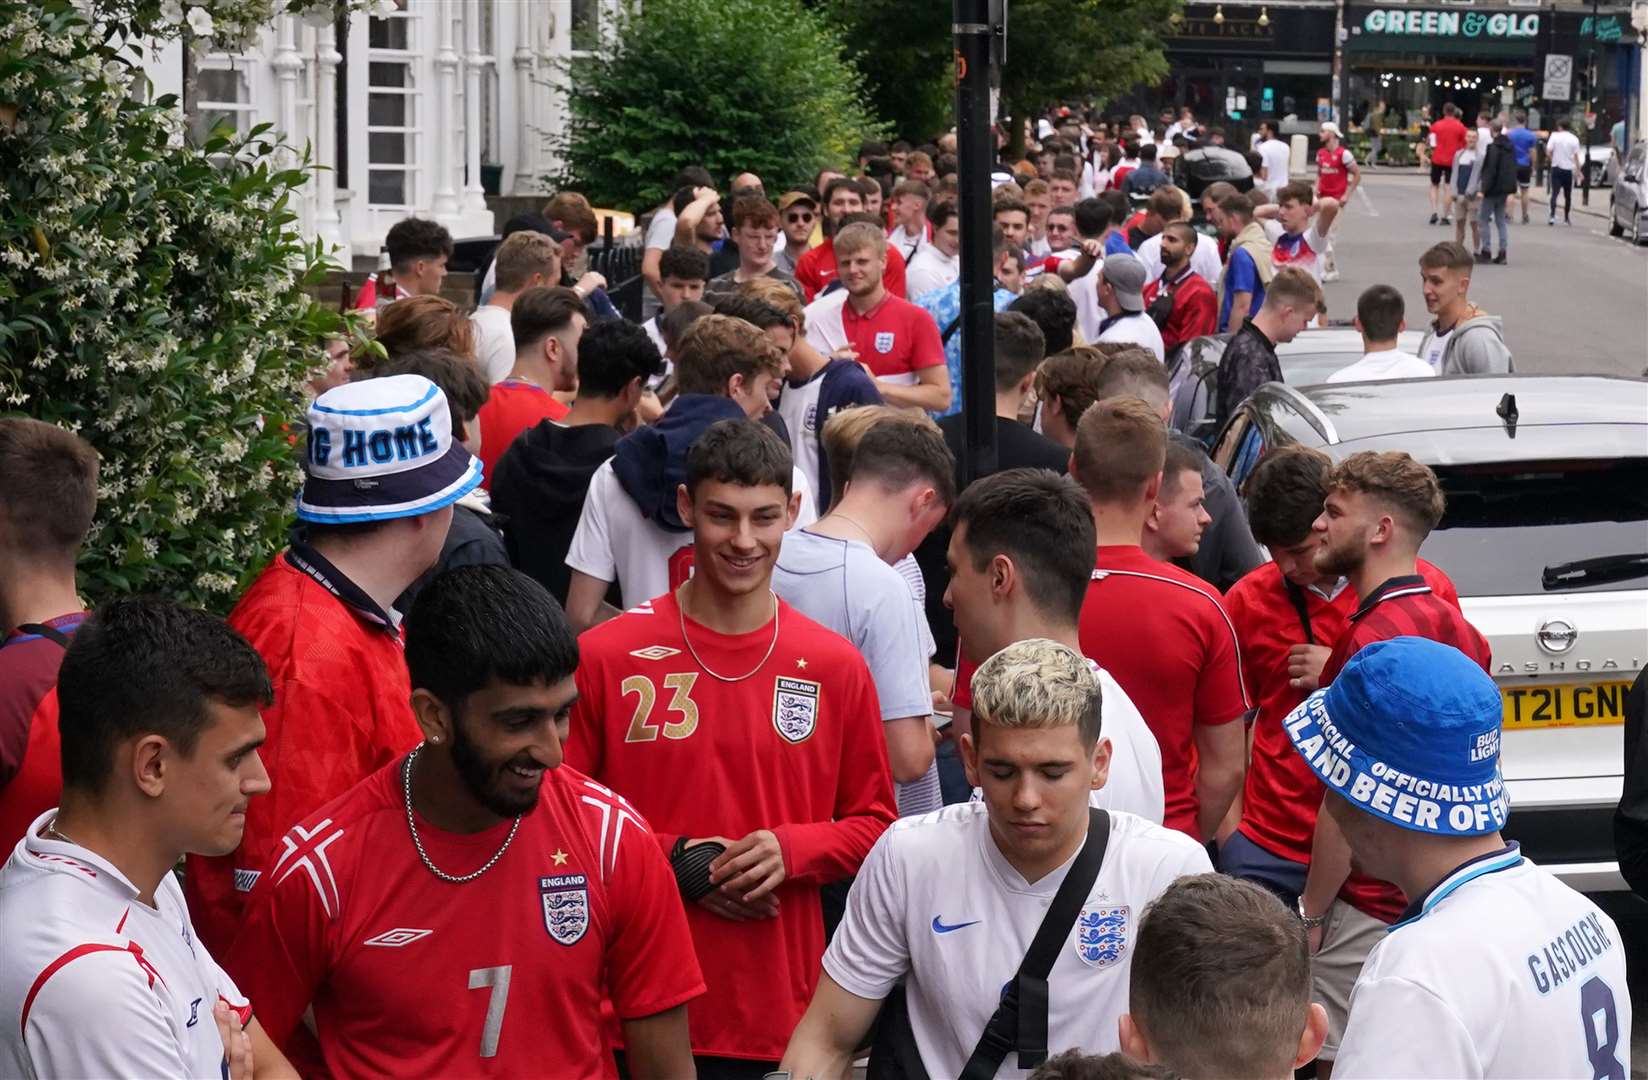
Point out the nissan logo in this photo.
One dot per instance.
(1556, 636)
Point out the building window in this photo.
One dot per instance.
(392, 117)
(223, 97)
(586, 25)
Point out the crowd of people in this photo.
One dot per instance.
(652, 699)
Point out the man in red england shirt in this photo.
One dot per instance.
(1447, 139)
(547, 324)
(1159, 630)
(816, 269)
(1193, 310)
(475, 894)
(48, 494)
(896, 342)
(1280, 607)
(384, 470)
(1377, 512)
(750, 737)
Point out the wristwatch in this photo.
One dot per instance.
(1311, 921)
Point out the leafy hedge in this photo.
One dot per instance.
(733, 85)
(151, 298)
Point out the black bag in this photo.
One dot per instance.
(1020, 1021)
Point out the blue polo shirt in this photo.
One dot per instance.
(1242, 275)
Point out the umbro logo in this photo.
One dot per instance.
(245, 879)
(655, 652)
(394, 939)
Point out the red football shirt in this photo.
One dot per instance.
(504, 975)
(1195, 309)
(796, 747)
(343, 709)
(1449, 134)
(1401, 607)
(1281, 795)
(1163, 635)
(513, 406)
(816, 269)
(895, 337)
(1333, 172)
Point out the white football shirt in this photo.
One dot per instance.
(930, 269)
(1385, 364)
(1204, 260)
(97, 983)
(1136, 328)
(1504, 972)
(613, 542)
(938, 902)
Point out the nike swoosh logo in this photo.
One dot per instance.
(940, 928)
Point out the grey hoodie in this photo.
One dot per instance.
(1476, 347)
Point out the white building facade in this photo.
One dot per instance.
(402, 113)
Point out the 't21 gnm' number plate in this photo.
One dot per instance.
(1569, 705)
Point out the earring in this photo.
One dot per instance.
(436, 739)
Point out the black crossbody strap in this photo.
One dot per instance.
(1020, 1021)
(50, 633)
(1302, 607)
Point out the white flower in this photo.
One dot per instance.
(171, 11)
(114, 73)
(200, 21)
(384, 8)
(318, 15)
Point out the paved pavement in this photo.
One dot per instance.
(1573, 299)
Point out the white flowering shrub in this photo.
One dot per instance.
(152, 296)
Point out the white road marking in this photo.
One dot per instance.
(1367, 202)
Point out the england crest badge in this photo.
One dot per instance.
(884, 341)
(566, 906)
(1101, 935)
(795, 708)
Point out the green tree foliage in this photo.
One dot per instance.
(151, 299)
(733, 85)
(1090, 50)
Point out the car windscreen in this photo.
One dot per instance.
(1532, 528)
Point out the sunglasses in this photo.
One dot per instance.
(797, 217)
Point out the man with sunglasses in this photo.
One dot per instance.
(797, 213)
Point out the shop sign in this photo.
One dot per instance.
(1468, 24)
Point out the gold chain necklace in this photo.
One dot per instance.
(681, 609)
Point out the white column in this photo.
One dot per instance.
(475, 62)
(287, 64)
(328, 223)
(442, 160)
(526, 102)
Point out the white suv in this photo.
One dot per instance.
(1545, 537)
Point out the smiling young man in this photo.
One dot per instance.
(1463, 339)
(630, 530)
(475, 888)
(949, 902)
(750, 737)
(103, 974)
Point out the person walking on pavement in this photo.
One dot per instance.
(1467, 190)
(1523, 141)
(1564, 151)
(1337, 177)
(1447, 139)
(1464, 339)
(1498, 184)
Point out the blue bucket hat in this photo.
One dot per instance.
(1409, 732)
(381, 449)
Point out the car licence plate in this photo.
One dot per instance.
(1567, 705)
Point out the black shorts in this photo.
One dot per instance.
(1440, 174)
(1524, 176)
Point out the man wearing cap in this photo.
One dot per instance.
(1378, 510)
(383, 472)
(1495, 968)
(1337, 177)
(797, 212)
(1121, 295)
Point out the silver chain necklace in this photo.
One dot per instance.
(53, 830)
(406, 787)
(681, 609)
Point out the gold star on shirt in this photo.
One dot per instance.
(801, 664)
(560, 857)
